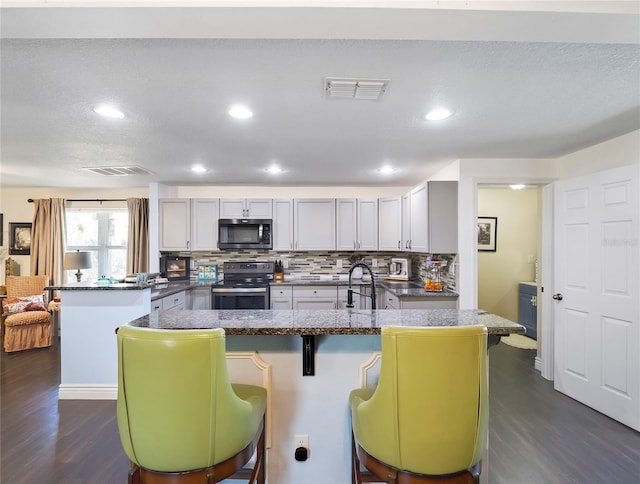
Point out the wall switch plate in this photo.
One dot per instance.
(339, 264)
(374, 262)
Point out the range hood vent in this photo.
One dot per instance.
(366, 89)
(118, 170)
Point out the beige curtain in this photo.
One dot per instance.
(48, 239)
(138, 240)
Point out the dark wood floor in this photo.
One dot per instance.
(536, 434)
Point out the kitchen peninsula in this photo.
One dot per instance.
(264, 347)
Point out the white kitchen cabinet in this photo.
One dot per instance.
(406, 221)
(314, 224)
(175, 224)
(282, 230)
(356, 224)
(391, 301)
(315, 297)
(199, 298)
(255, 208)
(433, 220)
(174, 301)
(390, 224)
(204, 224)
(346, 220)
(367, 224)
(443, 217)
(281, 297)
(419, 219)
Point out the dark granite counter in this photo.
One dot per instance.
(157, 291)
(95, 287)
(324, 321)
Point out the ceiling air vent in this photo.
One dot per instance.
(369, 89)
(118, 170)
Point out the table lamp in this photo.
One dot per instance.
(77, 260)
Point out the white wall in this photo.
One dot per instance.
(621, 151)
(14, 206)
(513, 261)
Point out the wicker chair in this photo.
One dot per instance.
(27, 329)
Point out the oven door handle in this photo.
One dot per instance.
(230, 290)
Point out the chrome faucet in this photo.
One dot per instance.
(373, 285)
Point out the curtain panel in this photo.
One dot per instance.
(48, 235)
(138, 237)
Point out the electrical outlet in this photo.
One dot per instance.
(339, 264)
(301, 441)
(374, 262)
(285, 264)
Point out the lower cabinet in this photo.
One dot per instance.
(281, 297)
(315, 297)
(200, 298)
(391, 301)
(174, 301)
(528, 309)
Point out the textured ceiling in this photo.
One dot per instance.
(511, 100)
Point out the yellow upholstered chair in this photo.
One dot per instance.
(179, 417)
(27, 323)
(426, 420)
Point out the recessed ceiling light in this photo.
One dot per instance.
(108, 111)
(438, 114)
(385, 170)
(519, 186)
(274, 169)
(240, 112)
(198, 169)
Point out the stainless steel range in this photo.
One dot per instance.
(245, 286)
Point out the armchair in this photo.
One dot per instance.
(27, 323)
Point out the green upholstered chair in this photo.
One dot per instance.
(427, 418)
(179, 417)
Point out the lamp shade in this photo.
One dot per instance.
(77, 260)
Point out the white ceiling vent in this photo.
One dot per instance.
(118, 170)
(369, 89)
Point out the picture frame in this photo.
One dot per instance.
(487, 234)
(19, 238)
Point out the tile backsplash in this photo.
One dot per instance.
(324, 262)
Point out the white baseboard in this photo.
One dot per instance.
(88, 392)
(538, 364)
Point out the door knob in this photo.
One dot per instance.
(557, 297)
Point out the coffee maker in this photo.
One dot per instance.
(399, 269)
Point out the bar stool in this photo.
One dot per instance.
(426, 421)
(179, 417)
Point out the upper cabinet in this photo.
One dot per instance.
(188, 224)
(443, 217)
(406, 221)
(390, 224)
(314, 224)
(357, 224)
(204, 224)
(246, 208)
(175, 224)
(433, 218)
(282, 230)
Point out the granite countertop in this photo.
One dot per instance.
(94, 287)
(323, 321)
(157, 291)
(398, 289)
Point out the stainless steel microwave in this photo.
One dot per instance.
(243, 233)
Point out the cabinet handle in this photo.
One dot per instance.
(188, 244)
(156, 307)
(398, 244)
(355, 245)
(406, 245)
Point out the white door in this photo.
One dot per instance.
(597, 332)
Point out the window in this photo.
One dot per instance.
(103, 233)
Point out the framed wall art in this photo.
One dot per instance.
(487, 232)
(19, 238)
